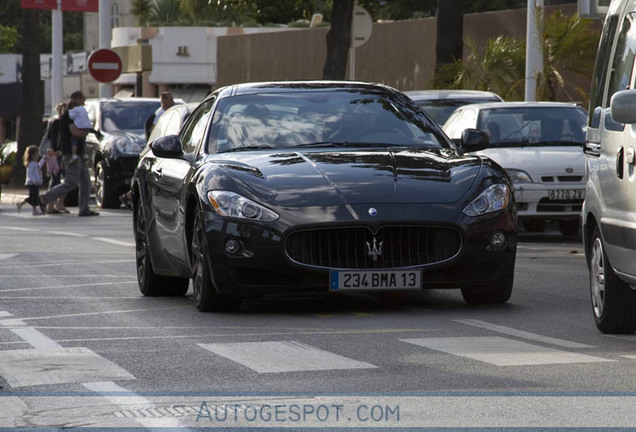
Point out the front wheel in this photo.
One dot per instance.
(151, 284)
(206, 296)
(613, 301)
(105, 191)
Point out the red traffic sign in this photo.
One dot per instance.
(104, 65)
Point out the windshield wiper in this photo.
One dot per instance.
(247, 148)
(323, 144)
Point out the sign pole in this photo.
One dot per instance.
(57, 50)
(105, 16)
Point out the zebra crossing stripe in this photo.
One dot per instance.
(277, 357)
(500, 351)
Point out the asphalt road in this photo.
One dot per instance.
(79, 346)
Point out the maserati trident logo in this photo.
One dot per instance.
(373, 212)
(569, 170)
(374, 250)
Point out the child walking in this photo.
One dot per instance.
(33, 165)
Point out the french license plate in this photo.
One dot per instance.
(566, 194)
(376, 280)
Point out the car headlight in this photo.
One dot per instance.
(495, 198)
(126, 146)
(518, 176)
(231, 204)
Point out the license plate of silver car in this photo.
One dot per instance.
(376, 280)
(566, 194)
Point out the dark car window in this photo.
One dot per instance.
(533, 125)
(441, 109)
(285, 120)
(120, 116)
(194, 130)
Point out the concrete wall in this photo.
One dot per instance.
(400, 54)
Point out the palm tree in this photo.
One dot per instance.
(142, 10)
(499, 67)
(569, 48)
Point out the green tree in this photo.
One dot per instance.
(166, 12)
(8, 38)
(569, 48)
(498, 67)
(142, 11)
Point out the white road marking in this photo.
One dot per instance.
(64, 233)
(134, 401)
(19, 229)
(67, 286)
(5, 314)
(12, 322)
(66, 263)
(500, 351)
(103, 313)
(523, 334)
(50, 363)
(5, 256)
(113, 241)
(631, 357)
(32, 367)
(276, 357)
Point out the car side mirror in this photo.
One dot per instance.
(167, 147)
(473, 140)
(623, 106)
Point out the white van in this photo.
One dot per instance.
(609, 210)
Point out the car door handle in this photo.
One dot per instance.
(157, 172)
(629, 158)
(620, 156)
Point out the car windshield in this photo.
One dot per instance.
(127, 116)
(521, 126)
(319, 118)
(441, 109)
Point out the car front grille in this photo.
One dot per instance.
(558, 206)
(360, 248)
(562, 179)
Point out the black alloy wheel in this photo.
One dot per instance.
(206, 296)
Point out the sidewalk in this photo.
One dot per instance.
(11, 196)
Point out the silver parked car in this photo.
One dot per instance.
(440, 104)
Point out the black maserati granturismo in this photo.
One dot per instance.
(318, 186)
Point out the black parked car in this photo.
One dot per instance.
(319, 186)
(114, 156)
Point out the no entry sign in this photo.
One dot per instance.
(104, 65)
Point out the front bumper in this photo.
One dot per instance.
(263, 266)
(542, 201)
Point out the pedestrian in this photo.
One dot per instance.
(33, 181)
(54, 169)
(167, 100)
(76, 169)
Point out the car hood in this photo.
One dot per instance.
(540, 160)
(324, 178)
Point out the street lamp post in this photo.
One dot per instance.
(534, 51)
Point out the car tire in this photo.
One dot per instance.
(151, 284)
(613, 301)
(206, 295)
(569, 228)
(106, 194)
(495, 293)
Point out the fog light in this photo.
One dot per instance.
(498, 240)
(232, 246)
